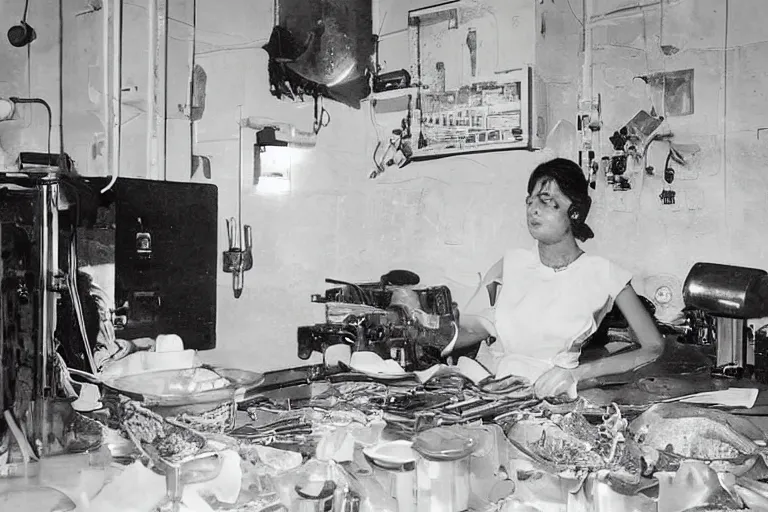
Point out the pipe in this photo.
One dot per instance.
(62, 160)
(586, 80)
(156, 85)
(105, 84)
(117, 94)
(44, 103)
(724, 121)
(191, 91)
(151, 105)
(49, 256)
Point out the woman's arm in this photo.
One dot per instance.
(644, 328)
(476, 323)
(473, 328)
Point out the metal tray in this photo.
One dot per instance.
(181, 387)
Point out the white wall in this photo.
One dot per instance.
(446, 219)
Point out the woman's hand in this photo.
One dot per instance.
(556, 382)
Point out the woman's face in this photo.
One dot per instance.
(547, 212)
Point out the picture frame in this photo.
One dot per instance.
(465, 103)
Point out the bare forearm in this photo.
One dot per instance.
(611, 365)
(472, 330)
(643, 329)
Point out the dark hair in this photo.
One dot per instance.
(571, 181)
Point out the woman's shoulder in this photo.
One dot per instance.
(599, 261)
(596, 260)
(613, 274)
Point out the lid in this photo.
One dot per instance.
(393, 455)
(444, 443)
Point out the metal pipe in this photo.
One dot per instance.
(724, 122)
(191, 91)
(623, 11)
(587, 69)
(41, 361)
(105, 85)
(156, 100)
(62, 161)
(53, 267)
(116, 98)
(3, 309)
(49, 257)
(151, 105)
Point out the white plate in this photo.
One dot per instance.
(372, 365)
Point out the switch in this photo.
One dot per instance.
(143, 242)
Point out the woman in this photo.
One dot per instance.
(545, 304)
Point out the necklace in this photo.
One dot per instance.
(560, 268)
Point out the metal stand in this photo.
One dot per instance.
(48, 243)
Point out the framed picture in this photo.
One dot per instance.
(465, 103)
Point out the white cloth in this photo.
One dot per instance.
(543, 316)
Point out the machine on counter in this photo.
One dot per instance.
(391, 318)
(148, 245)
(719, 299)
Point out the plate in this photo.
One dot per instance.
(187, 387)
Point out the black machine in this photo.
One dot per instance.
(390, 317)
(164, 241)
(151, 245)
(719, 300)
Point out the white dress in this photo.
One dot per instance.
(543, 316)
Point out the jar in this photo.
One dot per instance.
(442, 469)
(394, 466)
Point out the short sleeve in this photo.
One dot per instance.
(617, 278)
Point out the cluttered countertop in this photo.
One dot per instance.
(347, 440)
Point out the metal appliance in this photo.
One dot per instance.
(30, 215)
(321, 49)
(720, 298)
(391, 317)
(158, 238)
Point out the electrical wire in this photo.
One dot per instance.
(61, 162)
(574, 12)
